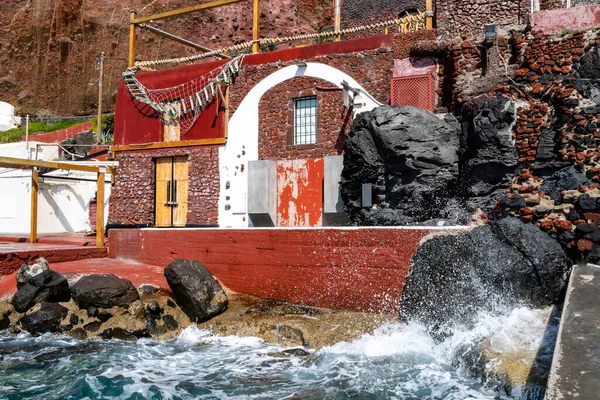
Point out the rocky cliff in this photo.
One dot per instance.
(48, 47)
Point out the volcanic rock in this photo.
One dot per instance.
(491, 268)
(195, 289)
(488, 156)
(47, 286)
(408, 156)
(564, 179)
(103, 291)
(28, 271)
(46, 319)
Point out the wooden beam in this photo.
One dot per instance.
(21, 163)
(132, 39)
(429, 19)
(226, 128)
(179, 40)
(100, 208)
(33, 222)
(186, 10)
(167, 145)
(256, 25)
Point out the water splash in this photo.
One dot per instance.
(396, 361)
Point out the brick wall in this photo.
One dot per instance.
(552, 4)
(276, 116)
(462, 18)
(132, 197)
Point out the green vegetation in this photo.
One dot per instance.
(14, 135)
(108, 128)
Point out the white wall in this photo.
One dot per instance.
(63, 204)
(242, 141)
(7, 117)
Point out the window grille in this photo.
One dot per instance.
(305, 120)
(416, 91)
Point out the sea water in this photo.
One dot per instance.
(397, 361)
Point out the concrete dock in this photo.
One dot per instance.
(575, 369)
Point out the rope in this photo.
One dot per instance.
(415, 22)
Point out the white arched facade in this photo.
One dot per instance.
(242, 141)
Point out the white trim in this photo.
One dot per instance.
(242, 141)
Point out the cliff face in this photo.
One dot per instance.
(48, 47)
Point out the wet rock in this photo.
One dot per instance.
(4, 322)
(170, 322)
(92, 326)
(564, 179)
(28, 271)
(119, 334)
(586, 203)
(65, 328)
(287, 336)
(148, 289)
(490, 268)
(296, 352)
(195, 289)
(171, 304)
(46, 319)
(410, 159)
(488, 156)
(47, 286)
(104, 291)
(79, 334)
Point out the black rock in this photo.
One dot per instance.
(564, 179)
(170, 322)
(28, 271)
(195, 289)
(73, 319)
(584, 229)
(104, 291)
(4, 322)
(171, 304)
(79, 334)
(586, 203)
(148, 289)
(410, 159)
(589, 65)
(119, 334)
(47, 286)
(516, 201)
(104, 316)
(46, 319)
(92, 326)
(490, 268)
(488, 159)
(154, 308)
(92, 312)
(296, 352)
(65, 328)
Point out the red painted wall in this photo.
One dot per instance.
(356, 269)
(59, 136)
(300, 192)
(575, 18)
(138, 123)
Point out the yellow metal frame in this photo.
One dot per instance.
(135, 22)
(21, 163)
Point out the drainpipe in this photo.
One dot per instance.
(27, 136)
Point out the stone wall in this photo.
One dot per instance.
(276, 120)
(552, 4)
(132, 197)
(460, 18)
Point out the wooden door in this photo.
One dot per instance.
(171, 199)
(180, 191)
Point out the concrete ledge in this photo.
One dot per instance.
(576, 362)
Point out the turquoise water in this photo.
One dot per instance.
(395, 362)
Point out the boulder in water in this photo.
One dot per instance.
(195, 289)
(28, 271)
(409, 157)
(490, 268)
(47, 286)
(46, 319)
(104, 291)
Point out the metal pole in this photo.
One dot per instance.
(99, 130)
(27, 136)
(34, 206)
